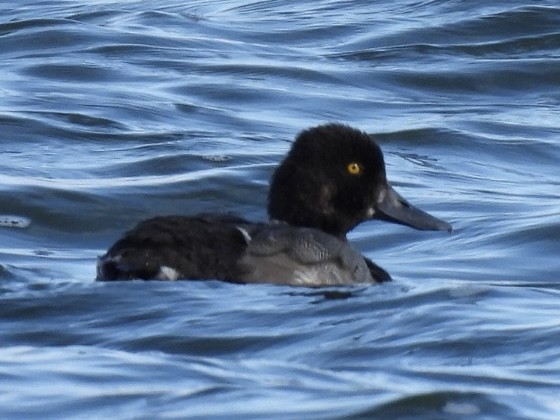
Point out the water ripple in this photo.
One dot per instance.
(111, 113)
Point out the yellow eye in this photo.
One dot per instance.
(354, 168)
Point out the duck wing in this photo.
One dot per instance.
(177, 248)
(285, 254)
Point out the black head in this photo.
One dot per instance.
(333, 178)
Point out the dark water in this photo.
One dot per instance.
(111, 112)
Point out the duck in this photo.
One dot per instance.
(332, 179)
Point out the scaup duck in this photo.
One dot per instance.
(332, 179)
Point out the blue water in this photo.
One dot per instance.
(111, 112)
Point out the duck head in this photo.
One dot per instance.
(334, 178)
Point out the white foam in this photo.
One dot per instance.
(14, 221)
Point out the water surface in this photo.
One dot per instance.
(112, 112)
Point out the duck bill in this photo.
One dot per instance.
(394, 208)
